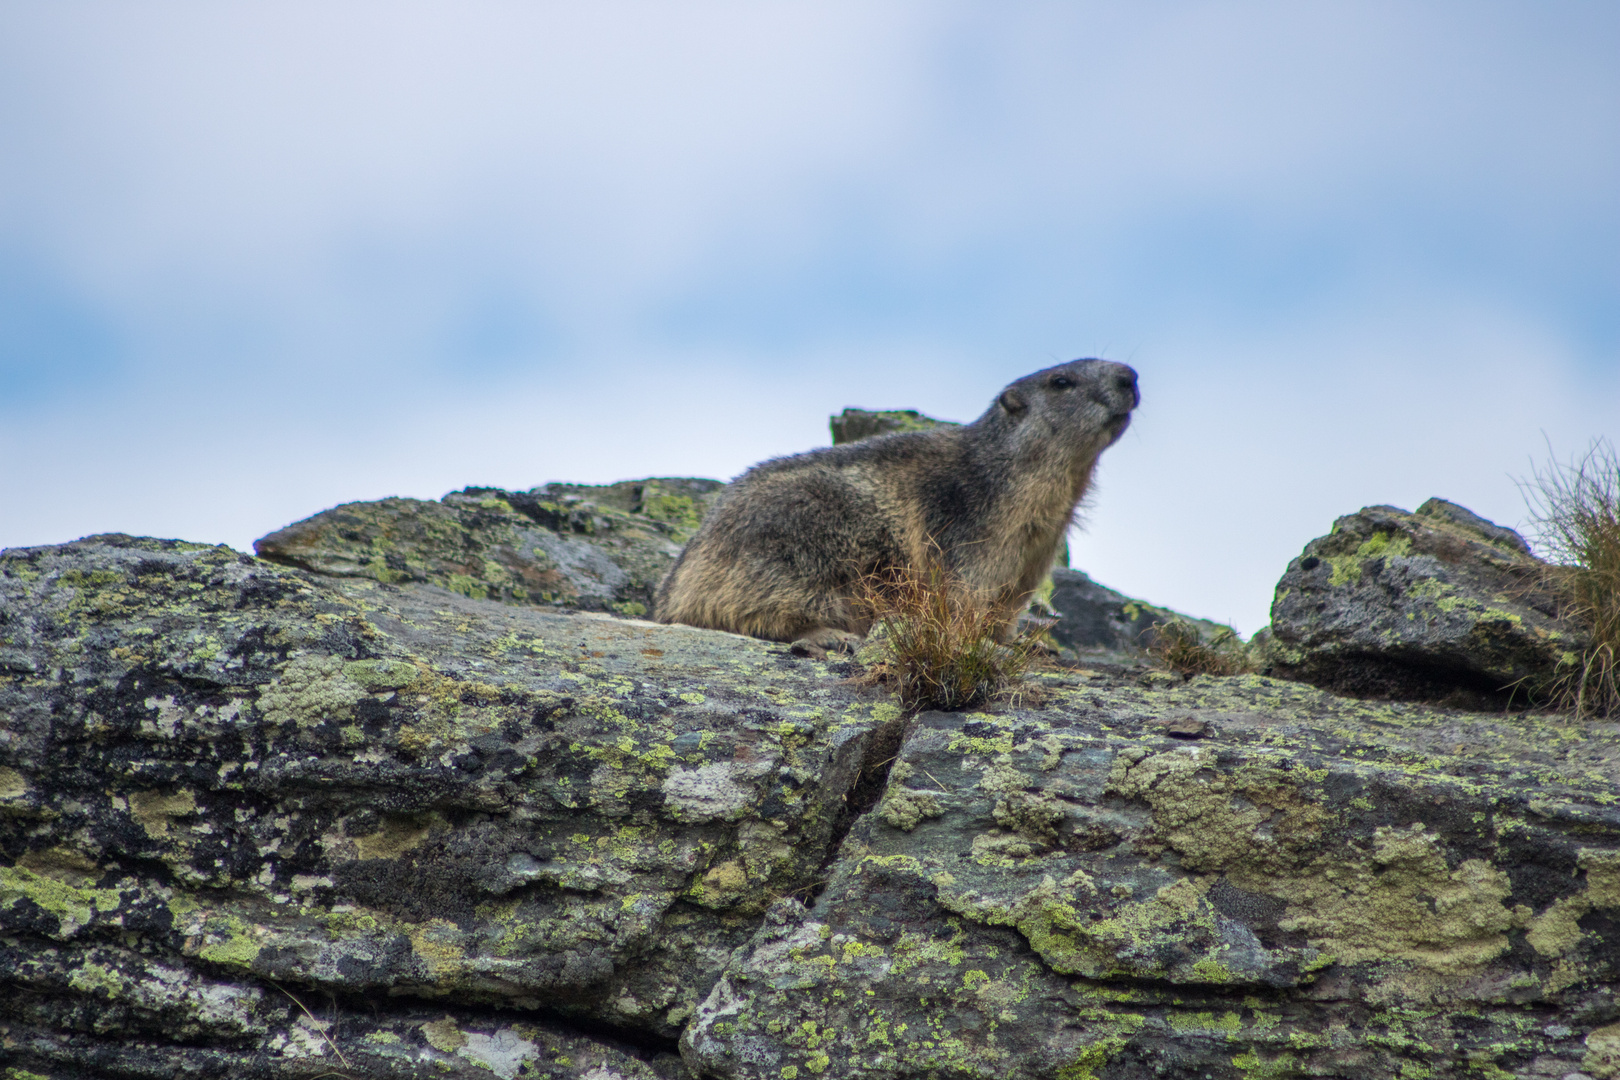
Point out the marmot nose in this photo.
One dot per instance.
(1122, 379)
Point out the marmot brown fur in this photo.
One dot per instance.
(782, 553)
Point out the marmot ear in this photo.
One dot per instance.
(1013, 401)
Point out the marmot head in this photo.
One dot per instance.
(1085, 405)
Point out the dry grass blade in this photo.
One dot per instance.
(1575, 508)
(942, 643)
(1179, 646)
(324, 1033)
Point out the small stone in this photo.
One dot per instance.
(1188, 727)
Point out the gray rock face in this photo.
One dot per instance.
(854, 424)
(1083, 894)
(1418, 605)
(597, 548)
(219, 777)
(259, 822)
(1095, 618)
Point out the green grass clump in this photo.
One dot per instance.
(1575, 511)
(1179, 646)
(941, 644)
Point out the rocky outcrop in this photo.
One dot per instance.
(594, 548)
(257, 821)
(219, 778)
(1438, 602)
(852, 425)
(1093, 618)
(1316, 887)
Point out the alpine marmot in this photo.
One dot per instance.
(782, 553)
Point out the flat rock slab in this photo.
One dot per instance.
(1291, 884)
(248, 778)
(596, 548)
(1392, 603)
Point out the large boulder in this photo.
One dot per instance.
(220, 777)
(596, 548)
(1316, 887)
(1439, 602)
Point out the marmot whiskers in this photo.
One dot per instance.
(781, 555)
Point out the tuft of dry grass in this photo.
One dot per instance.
(1575, 511)
(1179, 646)
(939, 641)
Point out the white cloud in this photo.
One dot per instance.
(1362, 252)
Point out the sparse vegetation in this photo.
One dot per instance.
(938, 640)
(1575, 507)
(1179, 646)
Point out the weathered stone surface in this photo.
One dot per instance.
(1314, 887)
(243, 777)
(487, 839)
(270, 1033)
(852, 425)
(597, 548)
(1418, 605)
(1095, 618)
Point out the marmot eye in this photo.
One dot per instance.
(1061, 382)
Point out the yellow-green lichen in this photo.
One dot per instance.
(1400, 901)
(74, 906)
(378, 675)
(1557, 930)
(156, 811)
(1381, 545)
(904, 807)
(92, 978)
(444, 1035)
(231, 941)
(13, 786)
(1254, 1067)
(309, 690)
(1088, 1063)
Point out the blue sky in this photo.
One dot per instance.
(259, 260)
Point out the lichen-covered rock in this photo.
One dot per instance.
(1419, 605)
(134, 1018)
(1317, 887)
(258, 822)
(219, 777)
(597, 548)
(1095, 618)
(852, 425)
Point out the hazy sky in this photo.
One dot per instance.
(257, 260)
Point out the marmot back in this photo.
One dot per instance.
(781, 554)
